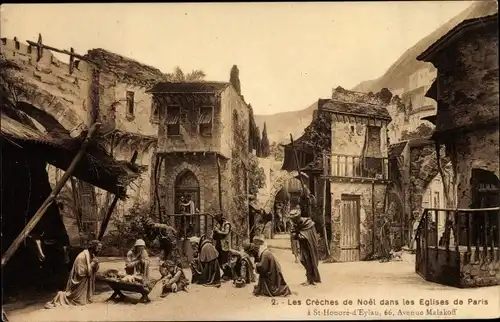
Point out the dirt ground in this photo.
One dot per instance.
(370, 282)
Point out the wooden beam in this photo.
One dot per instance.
(219, 181)
(105, 221)
(324, 219)
(50, 199)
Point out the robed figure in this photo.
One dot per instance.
(242, 268)
(271, 281)
(205, 267)
(304, 231)
(81, 283)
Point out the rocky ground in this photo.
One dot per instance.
(369, 282)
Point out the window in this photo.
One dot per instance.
(373, 141)
(130, 103)
(205, 121)
(172, 120)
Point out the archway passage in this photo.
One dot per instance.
(187, 190)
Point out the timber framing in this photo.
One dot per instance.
(177, 154)
(341, 179)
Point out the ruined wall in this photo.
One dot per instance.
(349, 139)
(48, 85)
(364, 190)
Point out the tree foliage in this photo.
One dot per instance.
(264, 142)
(277, 151)
(178, 75)
(234, 79)
(256, 177)
(317, 136)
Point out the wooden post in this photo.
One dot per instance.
(43, 208)
(324, 219)
(219, 180)
(106, 219)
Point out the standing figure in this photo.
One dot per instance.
(173, 277)
(305, 232)
(295, 212)
(205, 266)
(221, 235)
(188, 209)
(271, 281)
(81, 283)
(137, 262)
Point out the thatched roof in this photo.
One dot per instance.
(189, 87)
(96, 167)
(126, 69)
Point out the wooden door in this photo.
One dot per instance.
(350, 230)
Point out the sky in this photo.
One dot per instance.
(288, 54)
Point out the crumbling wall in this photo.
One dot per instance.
(48, 84)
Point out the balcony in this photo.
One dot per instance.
(459, 247)
(348, 166)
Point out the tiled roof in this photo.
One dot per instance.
(396, 149)
(189, 87)
(484, 21)
(126, 69)
(365, 109)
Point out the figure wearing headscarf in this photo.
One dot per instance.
(81, 283)
(305, 232)
(271, 281)
(137, 261)
(173, 278)
(242, 268)
(205, 266)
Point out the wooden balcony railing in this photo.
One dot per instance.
(473, 231)
(198, 224)
(339, 165)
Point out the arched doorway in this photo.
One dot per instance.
(187, 188)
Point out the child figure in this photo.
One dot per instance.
(173, 278)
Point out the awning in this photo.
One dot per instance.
(172, 119)
(205, 117)
(96, 167)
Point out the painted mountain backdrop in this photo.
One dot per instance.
(281, 124)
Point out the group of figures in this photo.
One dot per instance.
(213, 262)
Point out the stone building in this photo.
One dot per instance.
(66, 97)
(346, 144)
(467, 124)
(204, 141)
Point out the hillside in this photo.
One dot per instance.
(395, 77)
(281, 124)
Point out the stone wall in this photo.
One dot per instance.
(364, 191)
(189, 138)
(468, 80)
(481, 270)
(48, 85)
(480, 150)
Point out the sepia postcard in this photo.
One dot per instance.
(250, 161)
